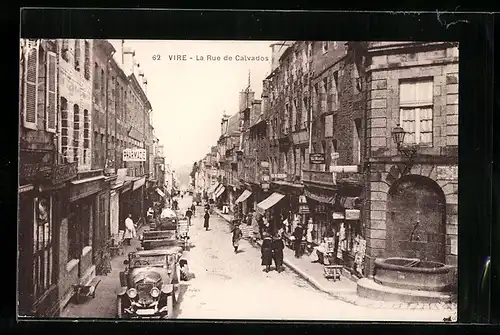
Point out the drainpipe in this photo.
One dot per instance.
(107, 109)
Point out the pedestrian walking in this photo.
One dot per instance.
(206, 220)
(298, 235)
(237, 235)
(193, 209)
(130, 232)
(277, 249)
(267, 252)
(189, 214)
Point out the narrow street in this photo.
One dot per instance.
(233, 286)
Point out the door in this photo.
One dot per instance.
(416, 219)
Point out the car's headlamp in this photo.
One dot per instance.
(155, 292)
(132, 293)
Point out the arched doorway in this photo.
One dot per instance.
(416, 219)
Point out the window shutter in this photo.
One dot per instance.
(30, 116)
(51, 87)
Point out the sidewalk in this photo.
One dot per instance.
(104, 303)
(344, 289)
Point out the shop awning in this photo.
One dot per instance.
(220, 191)
(160, 192)
(212, 188)
(320, 197)
(244, 196)
(270, 201)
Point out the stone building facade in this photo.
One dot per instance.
(411, 208)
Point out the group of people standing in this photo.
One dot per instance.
(272, 250)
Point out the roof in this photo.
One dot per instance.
(233, 124)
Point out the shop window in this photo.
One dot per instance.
(43, 248)
(416, 110)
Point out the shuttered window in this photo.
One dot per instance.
(51, 85)
(30, 116)
(86, 64)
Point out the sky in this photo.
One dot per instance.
(190, 96)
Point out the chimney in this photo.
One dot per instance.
(128, 60)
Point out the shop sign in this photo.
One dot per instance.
(265, 187)
(264, 164)
(64, 172)
(85, 189)
(338, 216)
(278, 175)
(304, 209)
(31, 172)
(317, 158)
(302, 199)
(159, 160)
(134, 155)
(352, 214)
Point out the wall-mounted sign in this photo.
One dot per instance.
(64, 172)
(264, 186)
(139, 183)
(264, 164)
(317, 158)
(352, 214)
(134, 155)
(302, 199)
(303, 209)
(338, 216)
(135, 134)
(278, 175)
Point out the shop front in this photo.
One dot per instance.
(125, 203)
(80, 232)
(220, 196)
(334, 214)
(287, 213)
(241, 202)
(138, 208)
(43, 200)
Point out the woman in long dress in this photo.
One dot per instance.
(277, 249)
(206, 218)
(267, 252)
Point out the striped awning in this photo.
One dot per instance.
(244, 196)
(219, 192)
(160, 192)
(270, 201)
(213, 188)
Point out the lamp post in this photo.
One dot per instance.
(409, 152)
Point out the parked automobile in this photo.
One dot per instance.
(150, 284)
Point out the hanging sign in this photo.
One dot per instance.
(134, 155)
(352, 214)
(338, 216)
(317, 158)
(302, 199)
(304, 209)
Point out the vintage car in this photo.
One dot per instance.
(150, 284)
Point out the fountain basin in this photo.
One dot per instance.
(414, 274)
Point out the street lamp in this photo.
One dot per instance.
(398, 135)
